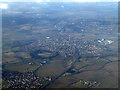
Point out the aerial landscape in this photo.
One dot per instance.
(60, 45)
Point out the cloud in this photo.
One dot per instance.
(3, 6)
(60, 0)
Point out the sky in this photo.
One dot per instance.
(59, 0)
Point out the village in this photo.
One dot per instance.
(25, 80)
